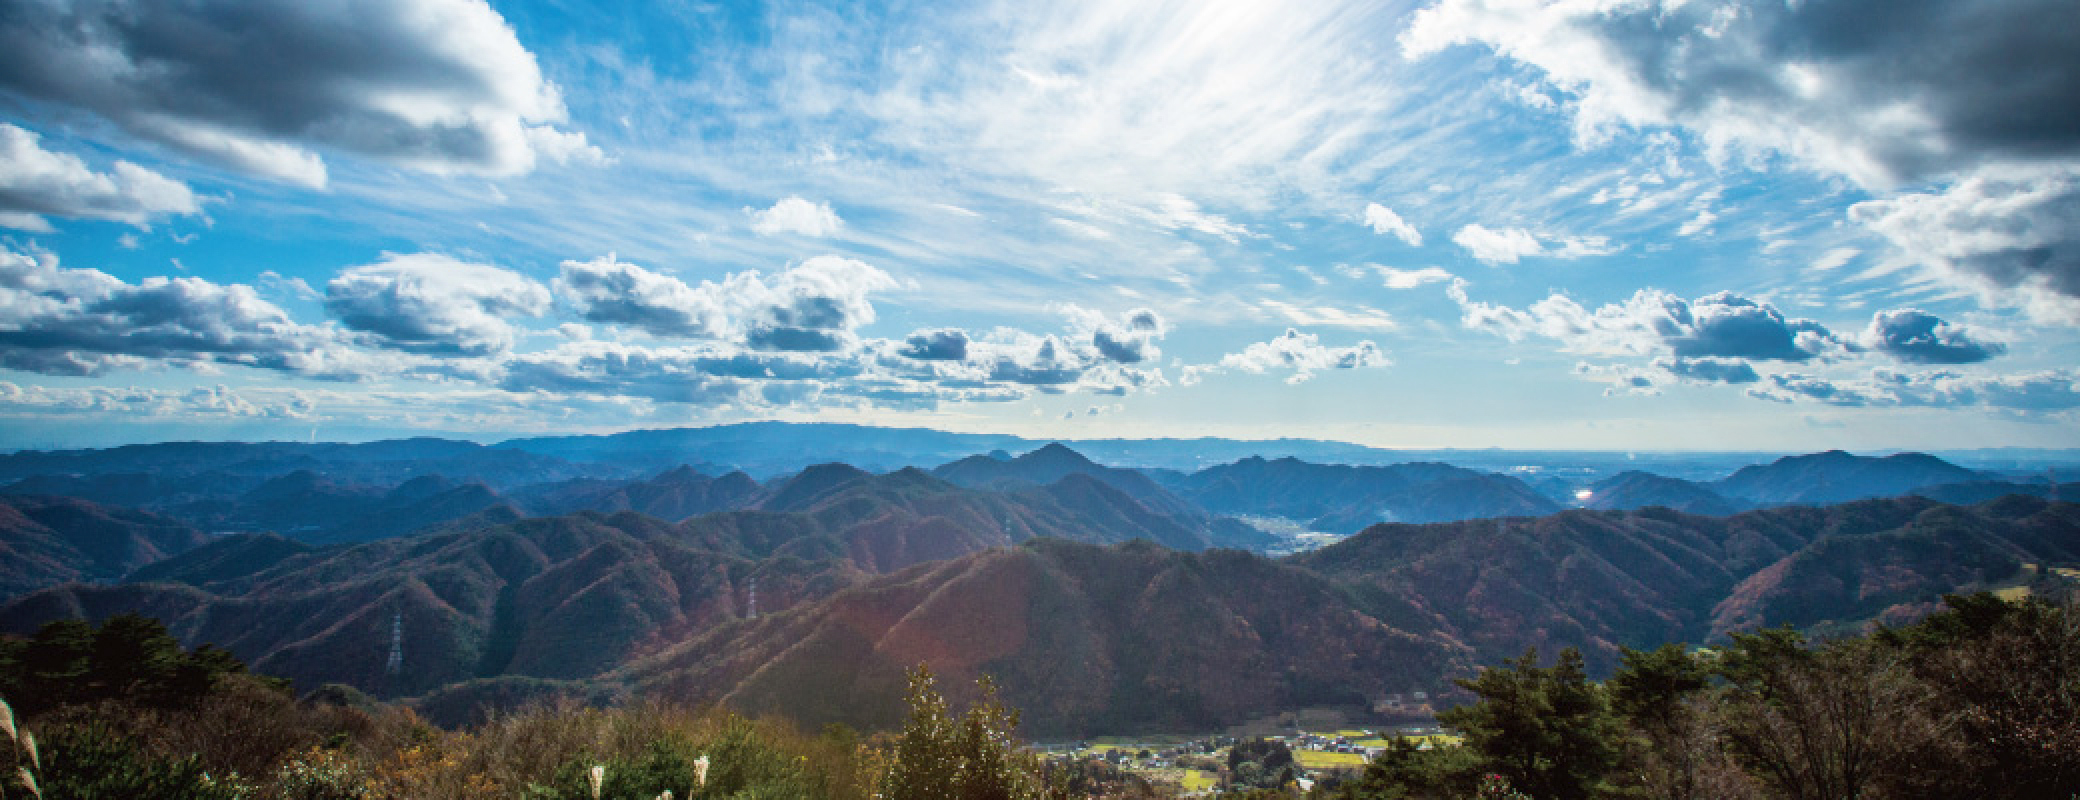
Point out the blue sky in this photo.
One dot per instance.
(1622, 224)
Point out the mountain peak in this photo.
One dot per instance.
(1056, 453)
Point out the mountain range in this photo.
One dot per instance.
(1104, 599)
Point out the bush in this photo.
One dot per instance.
(95, 763)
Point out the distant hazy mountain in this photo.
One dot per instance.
(769, 448)
(674, 494)
(46, 541)
(1631, 490)
(1345, 499)
(1838, 477)
(385, 463)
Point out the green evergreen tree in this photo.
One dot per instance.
(974, 757)
(1548, 730)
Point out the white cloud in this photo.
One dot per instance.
(1508, 245)
(2012, 235)
(1835, 258)
(442, 86)
(35, 182)
(793, 214)
(434, 304)
(1413, 278)
(616, 292)
(1945, 95)
(1383, 220)
(1362, 318)
(59, 321)
(1303, 353)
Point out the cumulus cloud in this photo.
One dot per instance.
(1382, 220)
(1974, 98)
(35, 182)
(816, 305)
(615, 292)
(943, 344)
(697, 375)
(1918, 337)
(1709, 369)
(202, 401)
(442, 86)
(795, 215)
(434, 304)
(59, 321)
(1303, 353)
(1722, 325)
(1127, 339)
(1509, 245)
(2042, 392)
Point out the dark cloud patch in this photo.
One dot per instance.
(1918, 337)
(798, 340)
(1710, 369)
(1727, 325)
(671, 376)
(439, 85)
(1125, 350)
(1048, 363)
(944, 344)
(1127, 339)
(1973, 100)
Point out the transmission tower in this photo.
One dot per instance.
(396, 664)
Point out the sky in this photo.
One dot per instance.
(1589, 224)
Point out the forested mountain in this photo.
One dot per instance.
(1082, 638)
(858, 575)
(45, 541)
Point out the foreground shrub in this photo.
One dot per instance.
(96, 763)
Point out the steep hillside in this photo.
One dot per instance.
(1849, 579)
(1598, 580)
(1082, 638)
(45, 541)
(557, 598)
